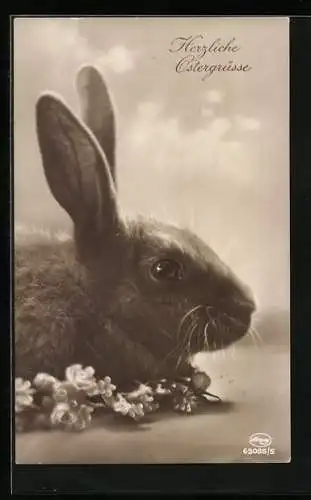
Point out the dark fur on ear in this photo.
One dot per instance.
(97, 111)
(77, 172)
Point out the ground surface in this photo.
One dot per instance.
(254, 381)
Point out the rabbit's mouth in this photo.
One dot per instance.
(205, 328)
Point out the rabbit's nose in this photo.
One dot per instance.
(242, 310)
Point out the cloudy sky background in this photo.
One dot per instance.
(211, 155)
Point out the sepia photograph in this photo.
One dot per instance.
(151, 250)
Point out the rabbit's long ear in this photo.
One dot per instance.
(97, 111)
(76, 169)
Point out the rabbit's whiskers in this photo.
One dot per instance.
(190, 336)
(184, 346)
(194, 317)
(189, 314)
(178, 349)
(253, 337)
(257, 335)
(205, 333)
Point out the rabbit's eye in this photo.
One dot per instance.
(167, 269)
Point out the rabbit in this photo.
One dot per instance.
(134, 299)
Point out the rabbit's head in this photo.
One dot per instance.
(163, 286)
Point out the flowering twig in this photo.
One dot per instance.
(70, 404)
